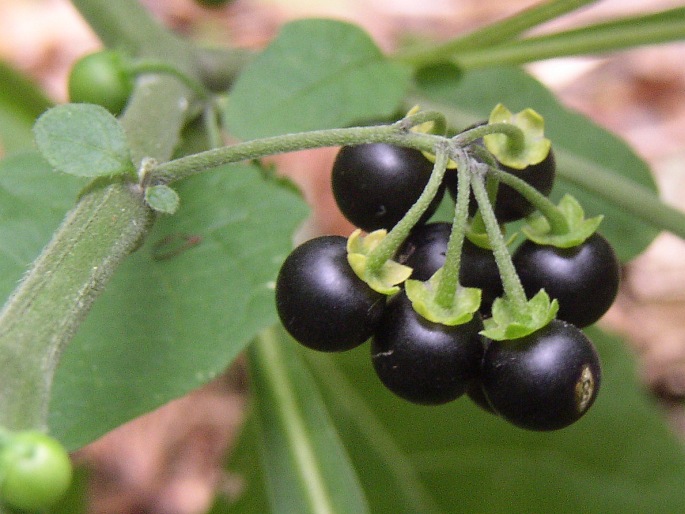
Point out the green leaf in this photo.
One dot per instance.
(83, 140)
(162, 199)
(21, 102)
(577, 142)
(33, 201)
(316, 74)
(620, 457)
(176, 315)
(307, 469)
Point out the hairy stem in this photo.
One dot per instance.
(513, 289)
(449, 280)
(186, 166)
(109, 222)
(45, 311)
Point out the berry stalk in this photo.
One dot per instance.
(557, 221)
(449, 280)
(392, 242)
(513, 289)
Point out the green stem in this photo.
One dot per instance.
(44, 312)
(662, 27)
(184, 167)
(513, 289)
(437, 118)
(151, 66)
(557, 222)
(497, 32)
(515, 137)
(108, 222)
(449, 280)
(622, 192)
(210, 122)
(392, 242)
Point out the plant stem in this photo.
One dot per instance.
(515, 138)
(498, 32)
(44, 312)
(614, 35)
(449, 280)
(557, 222)
(184, 167)
(626, 194)
(513, 289)
(151, 66)
(392, 242)
(109, 221)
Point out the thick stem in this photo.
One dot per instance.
(44, 312)
(109, 222)
(513, 288)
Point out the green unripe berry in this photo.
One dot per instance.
(35, 471)
(101, 78)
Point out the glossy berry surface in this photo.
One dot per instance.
(544, 381)
(35, 471)
(421, 361)
(374, 185)
(425, 249)
(584, 278)
(321, 301)
(101, 78)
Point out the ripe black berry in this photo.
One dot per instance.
(421, 361)
(321, 301)
(584, 278)
(544, 381)
(374, 185)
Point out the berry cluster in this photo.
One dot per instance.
(446, 306)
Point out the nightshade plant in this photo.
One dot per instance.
(164, 266)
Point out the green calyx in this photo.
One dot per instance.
(510, 320)
(423, 296)
(384, 279)
(516, 152)
(538, 228)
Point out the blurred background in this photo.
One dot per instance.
(170, 461)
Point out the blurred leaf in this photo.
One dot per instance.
(162, 199)
(33, 201)
(306, 467)
(620, 457)
(576, 141)
(316, 74)
(182, 307)
(21, 102)
(83, 140)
